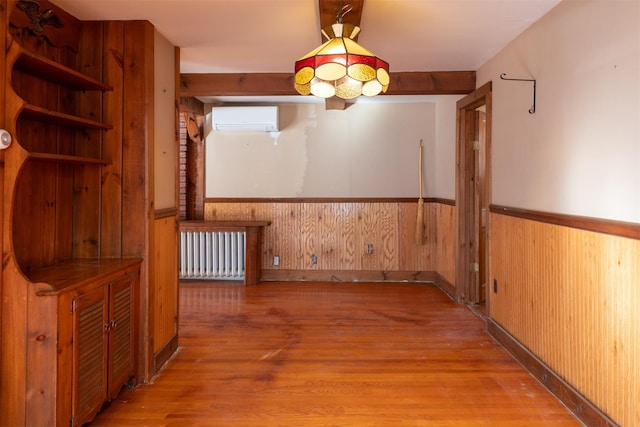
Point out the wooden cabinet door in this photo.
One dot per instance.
(90, 332)
(121, 340)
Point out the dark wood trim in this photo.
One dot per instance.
(242, 84)
(165, 213)
(441, 201)
(328, 200)
(218, 225)
(165, 354)
(475, 98)
(432, 83)
(468, 190)
(281, 84)
(191, 104)
(277, 275)
(446, 287)
(576, 403)
(605, 226)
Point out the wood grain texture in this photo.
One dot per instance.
(112, 147)
(270, 84)
(137, 178)
(343, 354)
(571, 297)
(578, 404)
(445, 231)
(165, 324)
(338, 234)
(605, 226)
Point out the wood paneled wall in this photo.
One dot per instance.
(165, 291)
(571, 297)
(445, 255)
(338, 233)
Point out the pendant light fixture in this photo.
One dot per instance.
(341, 67)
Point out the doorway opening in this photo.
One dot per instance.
(473, 196)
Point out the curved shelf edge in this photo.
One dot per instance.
(40, 66)
(62, 158)
(39, 113)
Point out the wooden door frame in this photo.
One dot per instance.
(467, 222)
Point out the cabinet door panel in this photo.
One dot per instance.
(121, 361)
(90, 336)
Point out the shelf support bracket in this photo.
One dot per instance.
(532, 110)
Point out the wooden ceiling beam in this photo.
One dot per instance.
(281, 84)
(432, 83)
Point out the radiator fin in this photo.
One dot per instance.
(215, 255)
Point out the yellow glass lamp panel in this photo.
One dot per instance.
(348, 88)
(331, 71)
(334, 47)
(322, 89)
(371, 88)
(355, 48)
(383, 77)
(304, 89)
(361, 72)
(304, 75)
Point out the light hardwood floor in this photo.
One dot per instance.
(334, 354)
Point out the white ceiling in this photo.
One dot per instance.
(232, 36)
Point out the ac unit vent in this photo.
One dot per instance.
(246, 119)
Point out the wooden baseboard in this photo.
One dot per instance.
(164, 354)
(578, 404)
(446, 287)
(273, 275)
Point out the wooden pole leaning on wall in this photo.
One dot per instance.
(420, 214)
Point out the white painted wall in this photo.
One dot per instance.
(367, 150)
(444, 154)
(579, 153)
(165, 146)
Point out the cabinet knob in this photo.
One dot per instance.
(5, 139)
(107, 327)
(113, 324)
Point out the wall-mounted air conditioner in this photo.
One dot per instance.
(246, 119)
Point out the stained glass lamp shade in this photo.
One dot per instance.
(341, 67)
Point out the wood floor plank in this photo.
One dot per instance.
(334, 354)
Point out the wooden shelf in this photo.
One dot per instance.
(71, 274)
(39, 113)
(49, 70)
(63, 158)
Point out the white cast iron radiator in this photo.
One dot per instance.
(216, 255)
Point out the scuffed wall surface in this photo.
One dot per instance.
(367, 150)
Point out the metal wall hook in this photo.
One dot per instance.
(533, 107)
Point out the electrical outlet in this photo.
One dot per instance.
(276, 260)
(495, 286)
(314, 259)
(369, 248)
